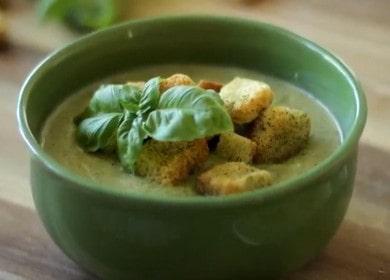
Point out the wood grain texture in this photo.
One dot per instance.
(357, 30)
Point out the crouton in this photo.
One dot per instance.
(169, 163)
(280, 133)
(175, 80)
(210, 85)
(245, 99)
(138, 84)
(234, 147)
(232, 177)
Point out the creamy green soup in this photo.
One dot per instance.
(58, 134)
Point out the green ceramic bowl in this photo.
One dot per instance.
(263, 233)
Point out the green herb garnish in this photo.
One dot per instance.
(123, 117)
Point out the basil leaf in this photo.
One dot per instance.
(150, 96)
(82, 14)
(113, 98)
(130, 139)
(99, 132)
(92, 14)
(186, 113)
(53, 8)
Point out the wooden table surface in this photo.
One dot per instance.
(356, 30)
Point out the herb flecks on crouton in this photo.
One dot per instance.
(232, 177)
(175, 80)
(169, 163)
(245, 99)
(280, 133)
(234, 147)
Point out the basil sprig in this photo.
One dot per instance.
(84, 15)
(123, 117)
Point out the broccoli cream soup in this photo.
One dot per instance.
(58, 134)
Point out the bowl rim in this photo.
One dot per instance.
(278, 190)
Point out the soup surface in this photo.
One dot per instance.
(58, 134)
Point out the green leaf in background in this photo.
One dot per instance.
(99, 132)
(130, 139)
(114, 98)
(82, 14)
(186, 113)
(53, 8)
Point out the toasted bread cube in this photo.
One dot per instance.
(216, 86)
(234, 147)
(175, 80)
(232, 177)
(245, 99)
(169, 163)
(280, 133)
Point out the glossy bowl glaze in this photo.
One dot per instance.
(264, 233)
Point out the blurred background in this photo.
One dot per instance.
(356, 30)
